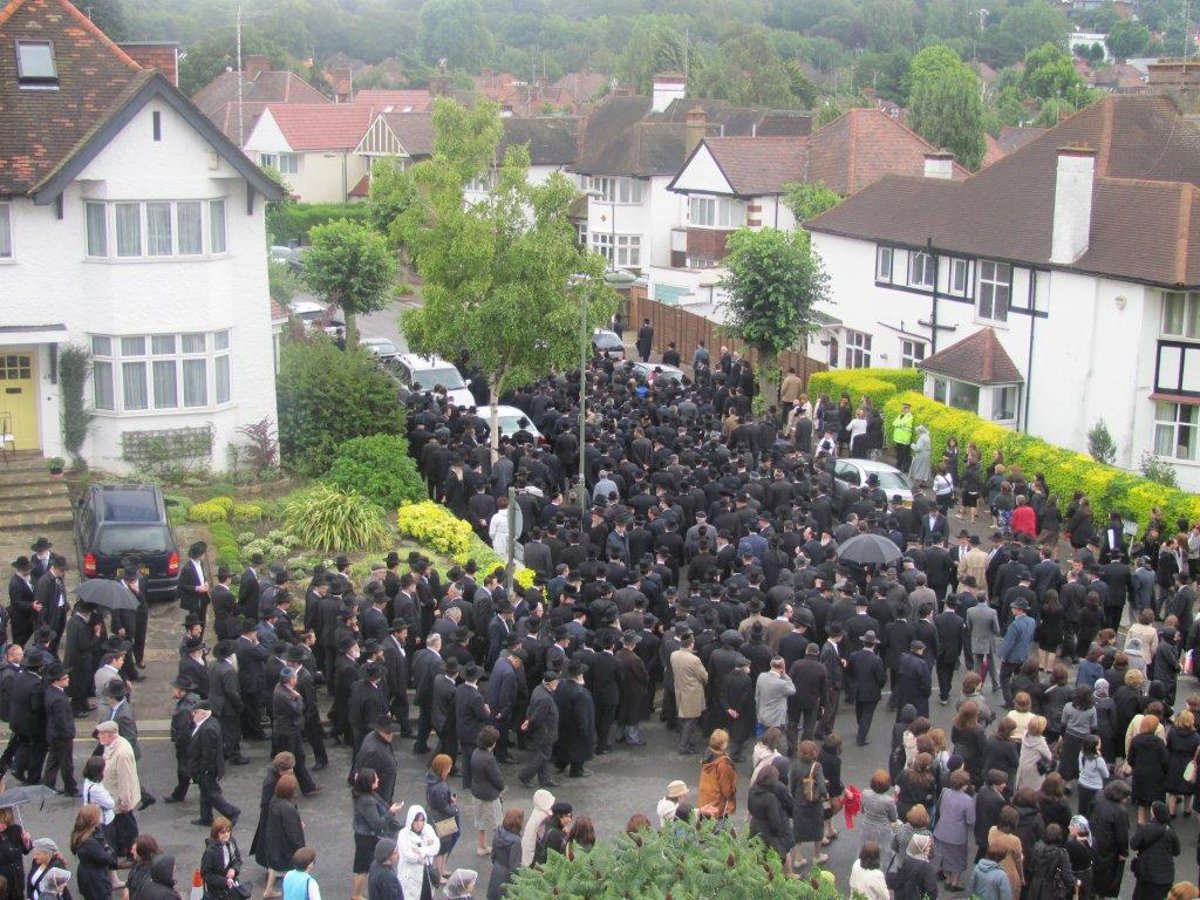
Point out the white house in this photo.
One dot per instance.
(129, 225)
(552, 142)
(313, 145)
(1080, 252)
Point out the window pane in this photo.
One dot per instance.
(5, 230)
(216, 226)
(97, 229)
(1192, 305)
(195, 383)
(101, 346)
(1187, 442)
(102, 384)
(35, 60)
(166, 387)
(191, 239)
(1188, 414)
(1173, 310)
(158, 229)
(133, 385)
(1164, 440)
(194, 343)
(220, 340)
(162, 343)
(221, 365)
(133, 346)
(129, 229)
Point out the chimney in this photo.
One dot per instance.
(439, 85)
(939, 164)
(255, 65)
(667, 87)
(697, 127)
(163, 56)
(1072, 204)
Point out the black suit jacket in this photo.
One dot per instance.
(868, 676)
(206, 754)
(248, 593)
(189, 599)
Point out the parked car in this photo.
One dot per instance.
(381, 348)
(510, 420)
(115, 522)
(851, 474)
(653, 371)
(423, 373)
(316, 315)
(606, 343)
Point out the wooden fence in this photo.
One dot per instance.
(686, 329)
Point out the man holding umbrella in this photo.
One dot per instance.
(132, 624)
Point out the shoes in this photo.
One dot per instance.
(319, 766)
(172, 799)
(635, 743)
(140, 665)
(548, 782)
(240, 761)
(202, 823)
(526, 783)
(136, 676)
(313, 792)
(147, 802)
(582, 773)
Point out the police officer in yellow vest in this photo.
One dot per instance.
(902, 433)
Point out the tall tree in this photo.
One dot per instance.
(350, 265)
(747, 71)
(504, 280)
(455, 31)
(656, 44)
(945, 106)
(808, 200)
(774, 279)
(1127, 39)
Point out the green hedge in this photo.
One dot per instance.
(292, 221)
(878, 384)
(379, 467)
(1066, 471)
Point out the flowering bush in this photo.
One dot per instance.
(209, 511)
(880, 385)
(439, 529)
(246, 513)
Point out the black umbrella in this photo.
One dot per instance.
(13, 798)
(869, 549)
(108, 593)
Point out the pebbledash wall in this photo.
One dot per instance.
(52, 280)
(1086, 345)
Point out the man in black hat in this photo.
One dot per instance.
(377, 753)
(20, 600)
(471, 713)
(395, 663)
(367, 703)
(252, 659)
(607, 679)
(248, 587)
(225, 695)
(427, 663)
(60, 732)
(50, 594)
(868, 676)
(81, 648)
(298, 657)
(576, 742)
(193, 583)
(541, 726)
(225, 606)
(206, 760)
(192, 666)
(345, 676)
(645, 340)
(443, 716)
(185, 699)
(27, 718)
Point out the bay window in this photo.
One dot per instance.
(161, 371)
(716, 212)
(628, 249)
(155, 229)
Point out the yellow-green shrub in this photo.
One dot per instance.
(440, 530)
(245, 513)
(878, 384)
(209, 511)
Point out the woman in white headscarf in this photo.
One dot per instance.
(542, 801)
(920, 470)
(418, 846)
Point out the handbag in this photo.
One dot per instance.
(1189, 772)
(1045, 766)
(446, 828)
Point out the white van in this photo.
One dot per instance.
(421, 373)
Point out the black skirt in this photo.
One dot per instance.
(364, 853)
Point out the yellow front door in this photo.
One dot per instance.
(18, 397)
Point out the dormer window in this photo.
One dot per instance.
(35, 64)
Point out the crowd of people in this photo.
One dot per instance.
(691, 580)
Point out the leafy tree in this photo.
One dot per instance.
(804, 92)
(455, 30)
(890, 24)
(108, 16)
(1021, 29)
(326, 396)
(1127, 39)
(807, 200)
(655, 45)
(945, 106)
(947, 20)
(350, 265)
(1101, 19)
(392, 192)
(504, 279)
(1050, 72)
(747, 71)
(1093, 53)
(884, 73)
(774, 279)
(209, 57)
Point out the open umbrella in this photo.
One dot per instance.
(106, 592)
(13, 798)
(869, 549)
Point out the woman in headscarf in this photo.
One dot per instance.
(915, 878)
(461, 885)
(543, 800)
(920, 471)
(382, 883)
(418, 846)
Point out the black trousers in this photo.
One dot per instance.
(211, 798)
(424, 727)
(400, 713)
(606, 714)
(315, 735)
(58, 758)
(945, 674)
(536, 765)
(294, 744)
(466, 748)
(27, 764)
(141, 623)
(183, 778)
(231, 734)
(10, 751)
(864, 713)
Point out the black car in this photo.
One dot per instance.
(114, 522)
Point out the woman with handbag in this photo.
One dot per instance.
(1157, 845)
(373, 821)
(1036, 759)
(96, 858)
(808, 803)
(418, 845)
(443, 809)
(221, 864)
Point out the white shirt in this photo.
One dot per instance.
(199, 567)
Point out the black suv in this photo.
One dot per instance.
(119, 521)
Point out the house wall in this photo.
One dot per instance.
(1092, 354)
(703, 175)
(320, 178)
(51, 280)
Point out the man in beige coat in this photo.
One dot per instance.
(121, 781)
(690, 680)
(974, 563)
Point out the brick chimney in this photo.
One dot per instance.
(697, 128)
(439, 85)
(255, 65)
(939, 164)
(667, 87)
(160, 55)
(1073, 182)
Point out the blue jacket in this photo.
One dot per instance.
(988, 882)
(1017, 640)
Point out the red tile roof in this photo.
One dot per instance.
(399, 100)
(322, 126)
(265, 87)
(40, 129)
(978, 358)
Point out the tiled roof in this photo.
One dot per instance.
(400, 101)
(978, 358)
(362, 189)
(1144, 200)
(413, 130)
(266, 87)
(1014, 137)
(581, 86)
(322, 126)
(861, 146)
(40, 129)
(552, 140)
(756, 167)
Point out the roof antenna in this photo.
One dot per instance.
(240, 80)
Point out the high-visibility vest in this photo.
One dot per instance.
(902, 429)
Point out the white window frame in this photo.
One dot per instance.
(922, 269)
(912, 352)
(885, 264)
(1169, 428)
(629, 248)
(1187, 304)
(960, 273)
(857, 349)
(6, 232)
(212, 230)
(160, 363)
(998, 395)
(993, 277)
(701, 262)
(722, 213)
(289, 163)
(617, 190)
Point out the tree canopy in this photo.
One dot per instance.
(945, 106)
(349, 265)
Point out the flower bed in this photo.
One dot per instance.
(435, 526)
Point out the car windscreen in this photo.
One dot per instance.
(606, 341)
(893, 480)
(117, 540)
(382, 348)
(425, 379)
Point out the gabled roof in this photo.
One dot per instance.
(413, 130)
(979, 358)
(1014, 137)
(47, 137)
(755, 166)
(727, 120)
(552, 140)
(321, 126)
(581, 86)
(1144, 200)
(861, 146)
(265, 87)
